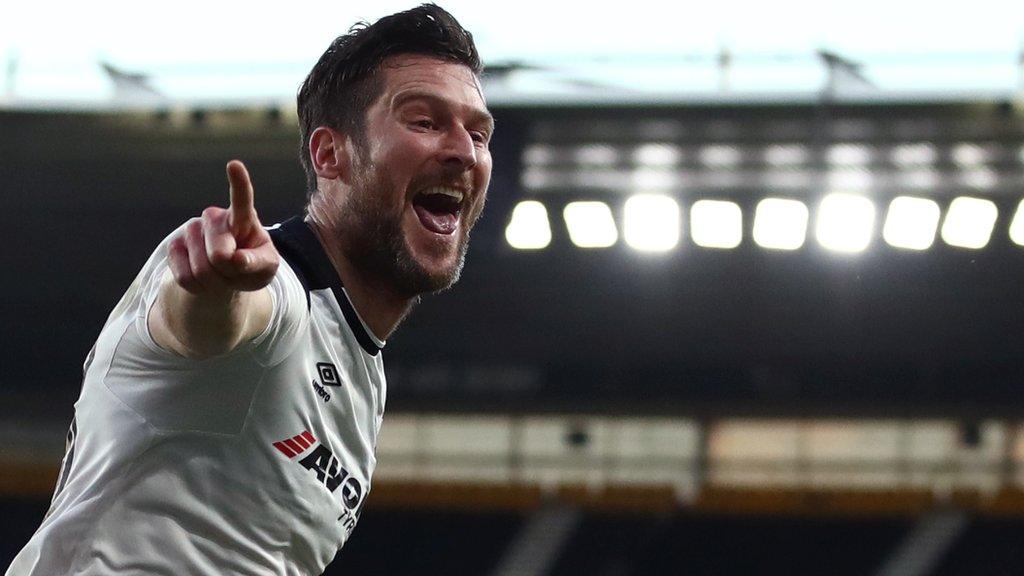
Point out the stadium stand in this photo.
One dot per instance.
(727, 544)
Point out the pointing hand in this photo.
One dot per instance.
(226, 249)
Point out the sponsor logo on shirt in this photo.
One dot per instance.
(328, 470)
(328, 377)
(328, 374)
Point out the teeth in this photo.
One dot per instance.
(452, 192)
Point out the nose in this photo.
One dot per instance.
(459, 150)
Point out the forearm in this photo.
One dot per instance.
(214, 296)
(207, 324)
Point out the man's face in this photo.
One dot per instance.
(420, 176)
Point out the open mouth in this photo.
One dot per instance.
(438, 208)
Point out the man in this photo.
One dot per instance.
(231, 405)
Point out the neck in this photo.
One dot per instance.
(374, 300)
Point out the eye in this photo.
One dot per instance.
(424, 123)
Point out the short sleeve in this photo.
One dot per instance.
(288, 319)
(211, 395)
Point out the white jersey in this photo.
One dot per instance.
(256, 462)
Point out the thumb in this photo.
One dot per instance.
(256, 266)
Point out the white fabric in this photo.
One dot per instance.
(174, 468)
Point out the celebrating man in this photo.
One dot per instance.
(231, 404)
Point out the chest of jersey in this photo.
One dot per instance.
(318, 416)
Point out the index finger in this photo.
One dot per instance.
(241, 194)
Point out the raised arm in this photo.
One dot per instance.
(214, 297)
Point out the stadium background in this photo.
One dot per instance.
(682, 400)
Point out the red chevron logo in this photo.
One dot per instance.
(292, 447)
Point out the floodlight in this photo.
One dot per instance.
(780, 224)
(596, 155)
(716, 224)
(850, 178)
(979, 178)
(920, 178)
(849, 155)
(590, 224)
(917, 154)
(786, 154)
(720, 155)
(529, 228)
(653, 178)
(652, 222)
(1017, 226)
(538, 155)
(657, 155)
(911, 223)
(969, 222)
(845, 222)
(787, 178)
(537, 178)
(969, 155)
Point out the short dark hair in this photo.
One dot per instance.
(344, 82)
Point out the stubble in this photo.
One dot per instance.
(376, 242)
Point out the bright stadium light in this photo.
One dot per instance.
(654, 178)
(596, 155)
(529, 228)
(923, 178)
(968, 155)
(787, 178)
(538, 155)
(652, 222)
(716, 224)
(780, 224)
(657, 155)
(537, 178)
(845, 222)
(979, 178)
(720, 155)
(969, 222)
(911, 223)
(590, 224)
(849, 155)
(1017, 226)
(850, 178)
(786, 154)
(918, 154)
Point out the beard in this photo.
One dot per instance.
(376, 242)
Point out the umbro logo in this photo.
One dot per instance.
(328, 374)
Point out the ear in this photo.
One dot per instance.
(329, 152)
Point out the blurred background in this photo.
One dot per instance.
(746, 298)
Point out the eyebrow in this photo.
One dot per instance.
(477, 114)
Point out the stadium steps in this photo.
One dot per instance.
(539, 543)
(925, 545)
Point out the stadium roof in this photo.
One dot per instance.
(109, 54)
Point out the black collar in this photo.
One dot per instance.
(299, 245)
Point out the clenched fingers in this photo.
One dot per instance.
(225, 249)
(204, 272)
(258, 266)
(177, 261)
(220, 243)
